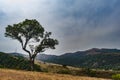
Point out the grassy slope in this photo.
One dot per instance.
(9, 61)
(6, 74)
(14, 62)
(55, 68)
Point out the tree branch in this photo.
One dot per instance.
(24, 46)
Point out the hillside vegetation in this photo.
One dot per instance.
(6, 74)
(15, 62)
(93, 58)
(21, 63)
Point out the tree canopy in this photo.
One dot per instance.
(32, 36)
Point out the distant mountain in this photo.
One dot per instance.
(92, 58)
(44, 57)
(19, 54)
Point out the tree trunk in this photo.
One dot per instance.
(32, 63)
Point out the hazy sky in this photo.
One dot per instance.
(77, 24)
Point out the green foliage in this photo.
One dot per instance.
(28, 33)
(89, 72)
(44, 70)
(106, 61)
(64, 66)
(31, 31)
(116, 77)
(14, 62)
(27, 29)
(64, 71)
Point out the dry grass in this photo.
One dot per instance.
(6, 74)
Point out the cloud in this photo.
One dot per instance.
(77, 24)
(88, 24)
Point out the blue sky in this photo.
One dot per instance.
(77, 24)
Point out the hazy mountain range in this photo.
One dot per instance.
(92, 58)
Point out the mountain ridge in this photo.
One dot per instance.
(103, 58)
(93, 58)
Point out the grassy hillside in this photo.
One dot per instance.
(94, 58)
(61, 69)
(6, 74)
(21, 63)
(14, 62)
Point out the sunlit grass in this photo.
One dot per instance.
(6, 74)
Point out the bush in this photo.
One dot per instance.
(44, 70)
(64, 71)
(89, 72)
(37, 67)
(116, 77)
(64, 66)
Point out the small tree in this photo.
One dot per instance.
(32, 36)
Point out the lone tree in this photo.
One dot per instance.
(32, 36)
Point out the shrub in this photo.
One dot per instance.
(116, 77)
(64, 71)
(37, 67)
(89, 72)
(64, 66)
(44, 70)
